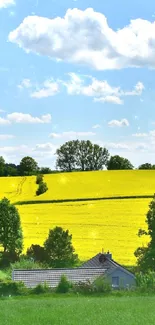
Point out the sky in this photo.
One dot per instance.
(74, 69)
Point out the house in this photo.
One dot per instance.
(100, 265)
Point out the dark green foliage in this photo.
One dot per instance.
(81, 155)
(45, 170)
(145, 166)
(119, 163)
(28, 166)
(42, 188)
(146, 255)
(83, 287)
(8, 257)
(64, 285)
(11, 238)
(37, 253)
(2, 166)
(59, 248)
(9, 288)
(26, 264)
(145, 282)
(41, 289)
(10, 170)
(39, 178)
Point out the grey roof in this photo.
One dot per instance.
(109, 264)
(31, 278)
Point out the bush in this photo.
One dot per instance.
(145, 282)
(83, 287)
(26, 264)
(64, 285)
(101, 285)
(8, 288)
(39, 178)
(42, 188)
(7, 258)
(41, 288)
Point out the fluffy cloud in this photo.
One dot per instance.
(26, 83)
(99, 89)
(27, 118)
(96, 126)
(71, 135)
(140, 135)
(123, 122)
(91, 40)
(46, 147)
(49, 89)
(6, 3)
(4, 121)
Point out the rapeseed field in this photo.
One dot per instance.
(110, 225)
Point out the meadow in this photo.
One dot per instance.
(109, 224)
(78, 310)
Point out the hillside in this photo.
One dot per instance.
(109, 224)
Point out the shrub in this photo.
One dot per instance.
(145, 282)
(64, 285)
(26, 264)
(12, 288)
(39, 178)
(41, 288)
(42, 188)
(83, 287)
(101, 285)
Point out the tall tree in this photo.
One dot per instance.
(11, 238)
(146, 255)
(81, 155)
(2, 166)
(59, 249)
(119, 163)
(145, 166)
(28, 166)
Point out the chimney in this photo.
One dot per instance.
(108, 255)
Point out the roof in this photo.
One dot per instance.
(32, 278)
(109, 264)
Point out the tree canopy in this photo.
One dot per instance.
(81, 155)
(146, 166)
(146, 255)
(28, 166)
(119, 163)
(59, 249)
(11, 238)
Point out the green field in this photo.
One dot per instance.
(78, 311)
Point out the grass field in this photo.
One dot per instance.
(109, 224)
(112, 225)
(78, 310)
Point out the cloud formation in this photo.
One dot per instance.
(24, 118)
(6, 3)
(117, 123)
(71, 135)
(91, 40)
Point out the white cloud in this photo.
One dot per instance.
(6, 3)
(46, 147)
(6, 136)
(99, 89)
(109, 99)
(4, 121)
(123, 122)
(49, 89)
(71, 134)
(96, 126)
(27, 118)
(85, 37)
(26, 83)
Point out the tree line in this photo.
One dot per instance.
(72, 156)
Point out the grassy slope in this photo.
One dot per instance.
(75, 311)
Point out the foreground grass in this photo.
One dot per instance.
(78, 310)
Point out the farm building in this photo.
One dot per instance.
(99, 265)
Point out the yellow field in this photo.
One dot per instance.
(110, 225)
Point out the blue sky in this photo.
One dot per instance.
(77, 69)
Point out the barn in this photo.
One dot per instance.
(100, 265)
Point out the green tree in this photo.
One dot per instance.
(59, 249)
(28, 166)
(37, 252)
(81, 155)
(2, 166)
(11, 238)
(146, 255)
(145, 166)
(119, 163)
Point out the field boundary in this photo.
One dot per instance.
(84, 199)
